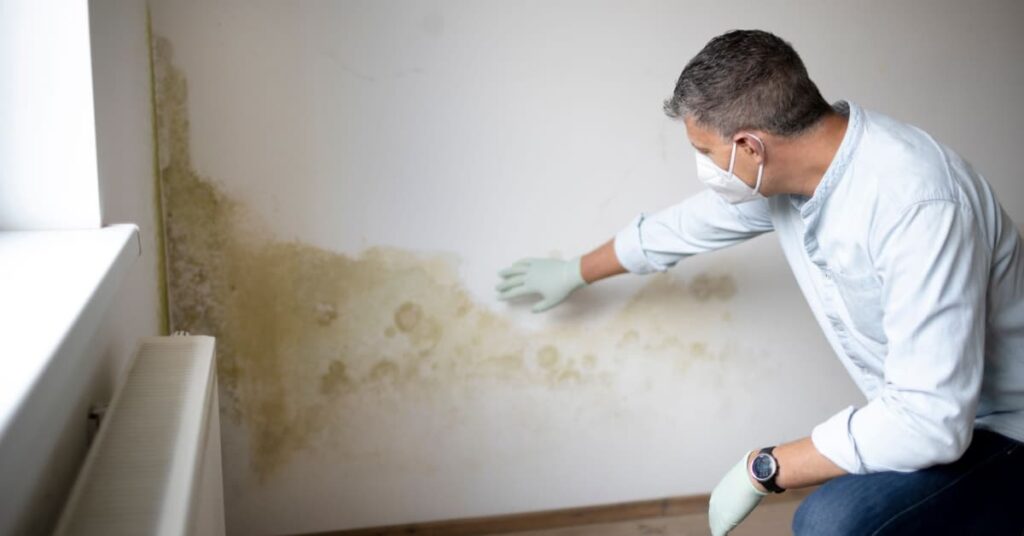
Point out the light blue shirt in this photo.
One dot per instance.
(915, 274)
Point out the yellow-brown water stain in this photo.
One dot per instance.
(384, 370)
(325, 313)
(629, 337)
(311, 341)
(547, 357)
(407, 317)
(704, 287)
(335, 378)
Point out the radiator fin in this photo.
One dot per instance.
(142, 474)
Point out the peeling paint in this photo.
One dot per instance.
(308, 339)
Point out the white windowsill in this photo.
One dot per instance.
(54, 289)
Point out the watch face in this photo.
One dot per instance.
(763, 466)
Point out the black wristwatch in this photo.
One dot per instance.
(765, 468)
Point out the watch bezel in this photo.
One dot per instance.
(774, 467)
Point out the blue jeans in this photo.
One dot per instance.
(981, 493)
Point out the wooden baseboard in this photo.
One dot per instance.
(550, 519)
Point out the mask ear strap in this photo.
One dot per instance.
(759, 142)
(732, 158)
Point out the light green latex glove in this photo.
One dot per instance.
(553, 279)
(733, 499)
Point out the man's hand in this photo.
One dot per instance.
(733, 498)
(553, 279)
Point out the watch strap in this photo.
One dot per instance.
(770, 484)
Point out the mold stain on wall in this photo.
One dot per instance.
(311, 343)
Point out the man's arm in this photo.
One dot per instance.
(649, 243)
(800, 465)
(601, 263)
(701, 223)
(737, 494)
(934, 272)
(933, 266)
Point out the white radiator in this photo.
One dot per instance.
(155, 467)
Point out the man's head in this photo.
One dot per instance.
(745, 82)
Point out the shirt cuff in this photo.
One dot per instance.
(629, 248)
(833, 440)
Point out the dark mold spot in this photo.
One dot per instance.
(335, 379)
(407, 317)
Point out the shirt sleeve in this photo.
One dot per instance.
(934, 270)
(702, 222)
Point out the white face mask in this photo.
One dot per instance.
(725, 183)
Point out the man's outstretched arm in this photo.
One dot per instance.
(649, 243)
(601, 263)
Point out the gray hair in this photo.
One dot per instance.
(748, 79)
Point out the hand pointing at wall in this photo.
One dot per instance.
(553, 279)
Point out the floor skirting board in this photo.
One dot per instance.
(553, 519)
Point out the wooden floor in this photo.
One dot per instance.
(771, 519)
(675, 516)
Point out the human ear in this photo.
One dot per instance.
(750, 145)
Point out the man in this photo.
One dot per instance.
(909, 264)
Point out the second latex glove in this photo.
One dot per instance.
(733, 499)
(553, 279)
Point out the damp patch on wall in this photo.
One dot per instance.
(309, 339)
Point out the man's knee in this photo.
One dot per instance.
(828, 512)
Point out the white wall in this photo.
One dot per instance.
(126, 163)
(123, 150)
(488, 131)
